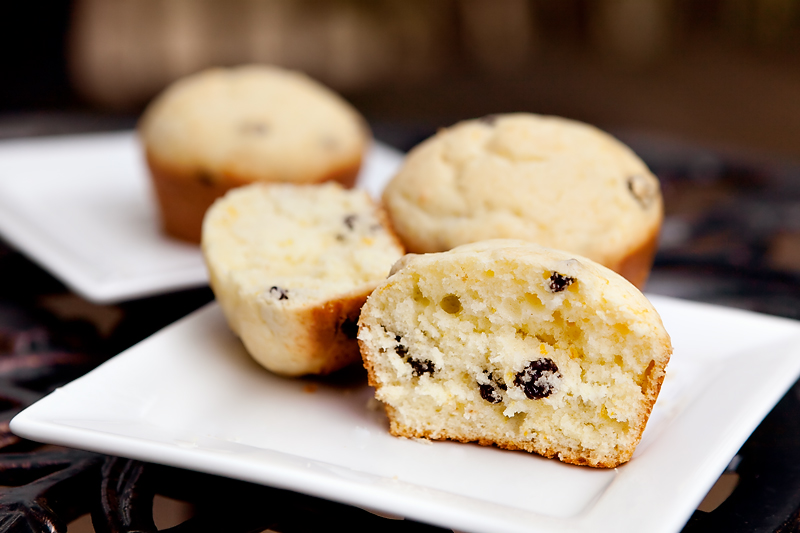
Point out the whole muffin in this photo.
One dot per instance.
(223, 128)
(559, 183)
(505, 342)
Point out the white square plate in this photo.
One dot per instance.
(190, 396)
(81, 207)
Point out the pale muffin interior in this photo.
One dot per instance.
(298, 243)
(533, 354)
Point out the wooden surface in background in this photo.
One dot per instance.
(714, 71)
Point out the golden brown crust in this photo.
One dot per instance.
(398, 429)
(332, 329)
(183, 202)
(636, 265)
(654, 378)
(184, 195)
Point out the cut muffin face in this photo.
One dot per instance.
(291, 267)
(556, 182)
(508, 343)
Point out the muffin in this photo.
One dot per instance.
(556, 182)
(507, 343)
(291, 266)
(222, 128)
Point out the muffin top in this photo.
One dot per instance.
(252, 123)
(557, 182)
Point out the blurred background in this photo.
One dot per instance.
(720, 72)
(706, 91)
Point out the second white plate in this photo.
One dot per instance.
(81, 207)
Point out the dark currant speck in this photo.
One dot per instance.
(279, 293)
(419, 367)
(489, 391)
(401, 350)
(535, 381)
(350, 221)
(559, 282)
(490, 394)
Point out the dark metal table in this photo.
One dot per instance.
(728, 239)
